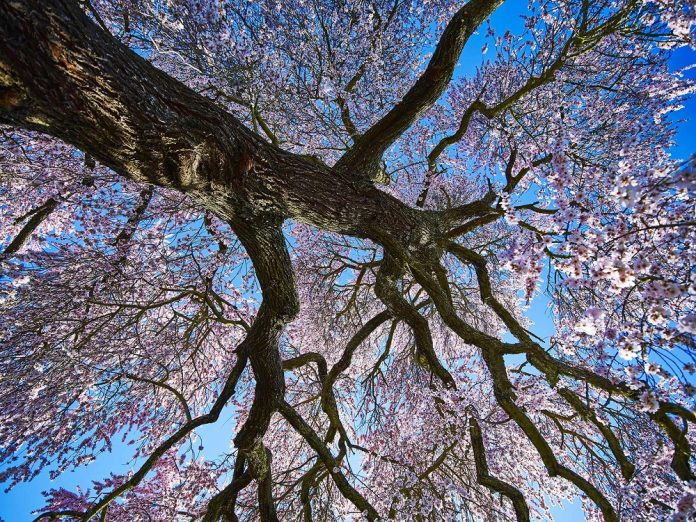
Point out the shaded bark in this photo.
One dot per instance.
(62, 75)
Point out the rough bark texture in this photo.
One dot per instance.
(62, 75)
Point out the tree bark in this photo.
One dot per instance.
(62, 75)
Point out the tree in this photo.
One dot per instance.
(291, 214)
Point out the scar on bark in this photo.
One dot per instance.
(207, 161)
(240, 165)
(62, 57)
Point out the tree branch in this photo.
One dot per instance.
(38, 216)
(364, 156)
(486, 479)
(348, 491)
(386, 290)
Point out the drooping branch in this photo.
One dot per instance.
(505, 397)
(388, 293)
(486, 479)
(253, 109)
(627, 467)
(479, 262)
(162, 384)
(328, 378)
(422, 476)
(492, 351)
(328, 399)
(346, 118)
(213, 414)
(552, 368)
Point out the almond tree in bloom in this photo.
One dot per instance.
(300, 215)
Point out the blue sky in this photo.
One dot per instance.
(17, 505)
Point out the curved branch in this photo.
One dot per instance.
(369, 148)
(164, 385)
(486, 479)
(328, 378)
(492, 351)
(212, 416)
(265, 244)
(552, 368)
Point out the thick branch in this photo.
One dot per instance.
(505, 396)
(368, 150)
(62, 75)
(265, 244)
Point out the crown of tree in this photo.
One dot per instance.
(307, 224)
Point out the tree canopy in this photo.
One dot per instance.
(303, 216)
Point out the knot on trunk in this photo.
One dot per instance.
(190, 163)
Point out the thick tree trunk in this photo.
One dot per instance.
(62, 75)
